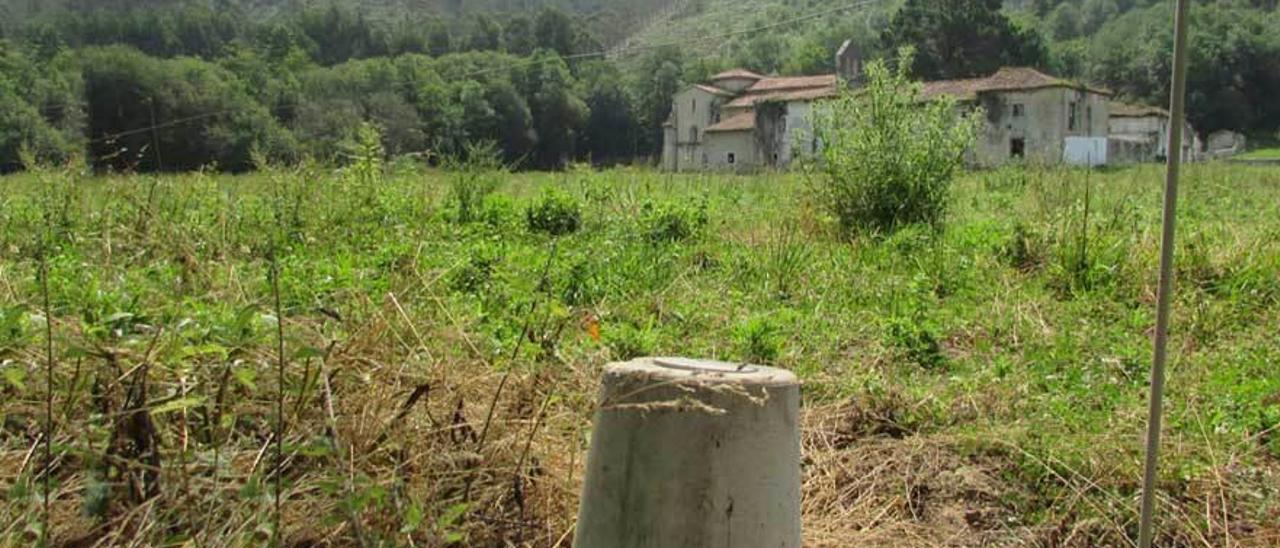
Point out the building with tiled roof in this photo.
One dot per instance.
(740, 120)
(1140, 133)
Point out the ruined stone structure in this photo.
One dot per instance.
(1141, 134)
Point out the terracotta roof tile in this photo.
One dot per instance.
(1005, 79)
(738, 122)
(736, 73)
(812, 93)
(794, 82)
(713, 90)
(1126, 110)
(803, 94)
(961, 89)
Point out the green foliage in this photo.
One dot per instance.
(475, 275)
(914, 337)
(1064, 22)
(472, 178)
(888, 157)
(673, 221)
(127, 90)
(366, 156)
(758, 340)
(1232, 74)
(558, 114)
(1023, 248)
(555, 213)
(626, 341)
(39, 109)
(971, 335)
(14, 330)
(910, 330)
(962, 38)
(583, 283)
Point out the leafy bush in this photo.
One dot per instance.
(474, 276)
(914, 337)
(583, 284)
(365, 155)
(1023, 248)
(911, 330)
(222, 122)
(498, 211)
(475, 175)
(13, 328)
(672, 221)
(626, 341)
(887, 156)
(555, 213)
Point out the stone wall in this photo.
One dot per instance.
(1040, 119)
(743, 145)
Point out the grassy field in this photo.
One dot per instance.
(981, 385)
(1261, 154)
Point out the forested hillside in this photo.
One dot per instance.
(610, 17)
(1124, 45)
(179, 84)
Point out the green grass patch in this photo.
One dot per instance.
(1016, 338)
(1261, 154)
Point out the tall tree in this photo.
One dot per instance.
(658, 80)
(962, 38)
(610, 130)
(554, 30)
(519, 36)
(558, 114)
(484, 34)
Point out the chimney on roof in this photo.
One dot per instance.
(849, 64)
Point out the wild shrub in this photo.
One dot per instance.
(13, 328)
(555, 213)
(498, 211)
(888, 155)
(1023, 249)
(474, 174)
(916, 339)
(365, 155)
(583, 284)
(626, 341)
(475, 275)
(911, 330)
(673, 221)
(1086, 255)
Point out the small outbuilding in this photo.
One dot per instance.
(1140, 133)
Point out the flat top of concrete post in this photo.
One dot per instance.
(711, 371)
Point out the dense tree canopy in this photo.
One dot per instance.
(962, 38)
(223, 78)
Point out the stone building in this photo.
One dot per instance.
(1033, 117)
(1224, 143)
(721, 125)
(742, 121)
(1140, 133)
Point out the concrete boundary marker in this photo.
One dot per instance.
(689, 453)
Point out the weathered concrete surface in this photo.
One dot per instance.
(689, 453)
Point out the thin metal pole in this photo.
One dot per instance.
(1174, 158)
